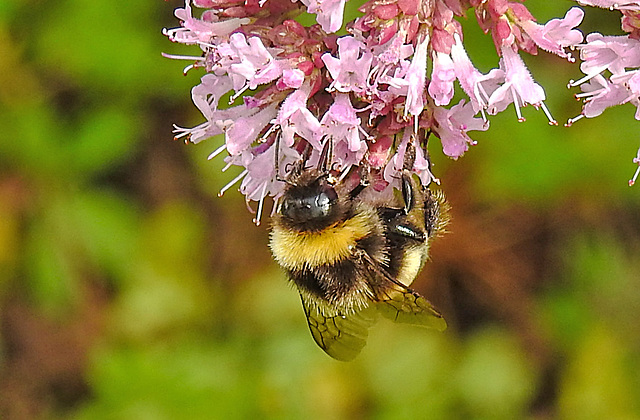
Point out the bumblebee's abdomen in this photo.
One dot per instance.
(341, 285)
(407, 262)
(327, 266)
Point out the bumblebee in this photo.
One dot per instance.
(351, 257)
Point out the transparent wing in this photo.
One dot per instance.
(401, 304)
(342, 336)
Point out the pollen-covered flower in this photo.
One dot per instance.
(387, 83)
(611, 65)
(349, 71)
(343, 127)
(476, 85)
(557, 34)
(613, 4)
(329, 13)
(518, 88)
(245, 130)
(452, 126)
(442, 78)
(514, 29)
(295, 120)
(416, 79)
(254, 64)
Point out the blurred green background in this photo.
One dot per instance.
(128, 290)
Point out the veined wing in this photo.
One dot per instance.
(401, 304)
(341, 336)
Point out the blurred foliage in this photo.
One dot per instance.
(129, 291)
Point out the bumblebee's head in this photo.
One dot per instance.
(311, 203)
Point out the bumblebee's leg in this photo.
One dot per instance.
(400, 225)
(408, 232)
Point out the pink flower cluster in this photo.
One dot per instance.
(389, 81)
(611, 65)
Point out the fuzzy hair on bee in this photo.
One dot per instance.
(352, 257)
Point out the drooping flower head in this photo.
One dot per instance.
(388, 82)
(611, 65)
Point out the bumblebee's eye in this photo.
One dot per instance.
(310, 207)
